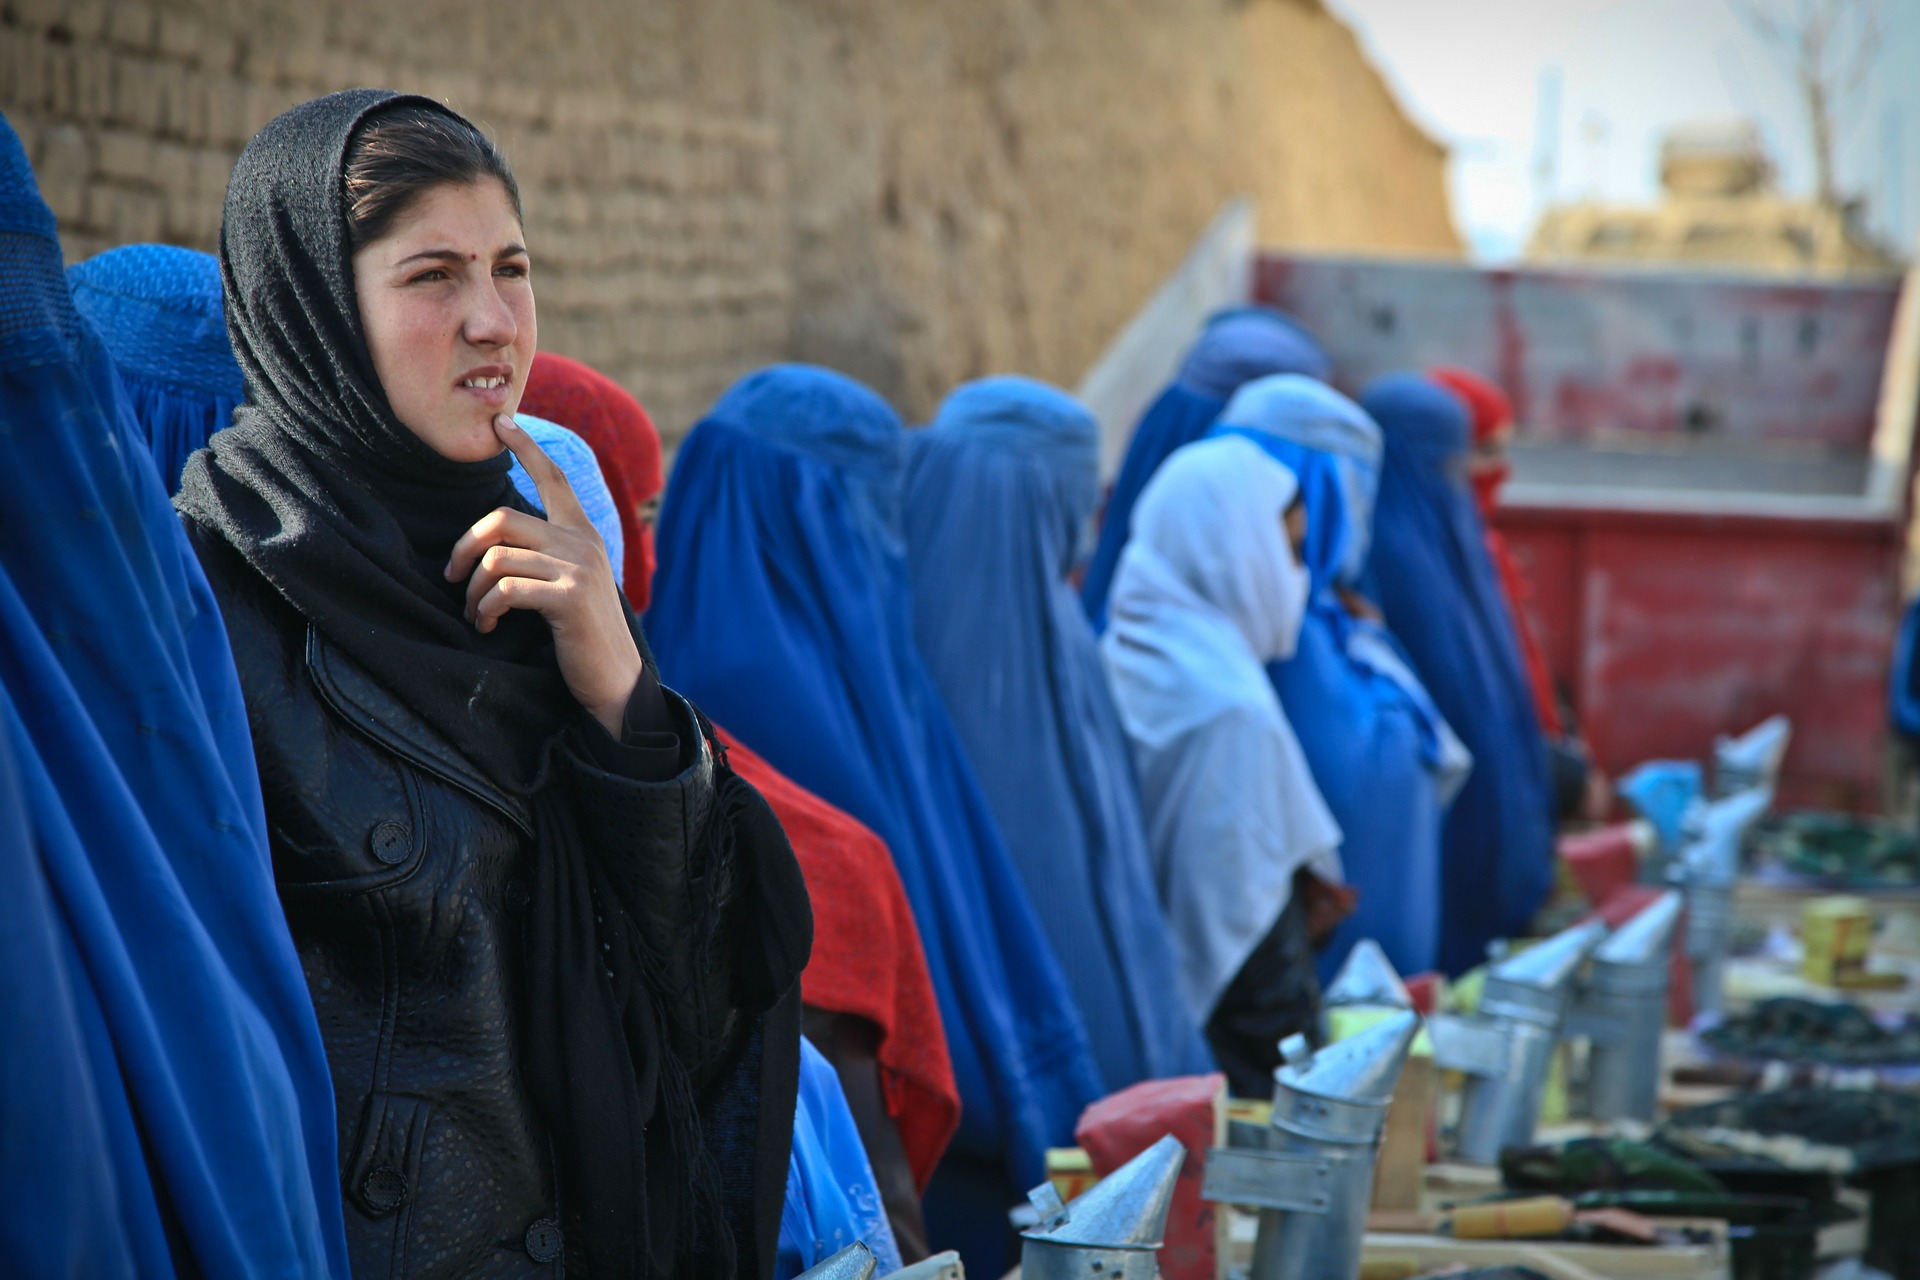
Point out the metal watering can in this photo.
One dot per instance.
(1113, 1231)
(1313, 1181)
(1622, 1012)
(1505, 1050)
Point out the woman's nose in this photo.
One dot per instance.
(489, 321)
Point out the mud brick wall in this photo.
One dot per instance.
(914, 192)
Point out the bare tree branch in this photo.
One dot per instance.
(1830, 48)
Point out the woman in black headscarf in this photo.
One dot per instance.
(553, 941)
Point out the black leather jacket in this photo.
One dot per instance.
(404, 875)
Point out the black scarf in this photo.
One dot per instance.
(351, 517)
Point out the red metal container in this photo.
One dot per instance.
(1709, 493)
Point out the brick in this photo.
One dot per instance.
(184, 95)
(185, 37)
(191, 218)
(93, 76)
(23, 82)
(131, 26)
(139, 95)
(128, 214)
(126, 155)
(229, 103)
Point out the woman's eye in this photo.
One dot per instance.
(512, 270)
(433, 274)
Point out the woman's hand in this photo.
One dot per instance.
(557, 567)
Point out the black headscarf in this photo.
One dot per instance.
(351, 518)
(349, 514)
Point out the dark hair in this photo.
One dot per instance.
(400, 155)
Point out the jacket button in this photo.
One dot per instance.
(384, 1188)
(390, 842)
(543, 1240)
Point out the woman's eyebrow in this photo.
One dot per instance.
(433, 255)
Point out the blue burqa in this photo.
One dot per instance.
(782, 608)
(1237, 346)
(832, 1197)
(157, 307)
(1383, 757)
(1431, 576)
(196, 1131)
(998, 489)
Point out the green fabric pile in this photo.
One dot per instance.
(1602, 1164)
(1833, 1130)
(1843, 849)
(1790, 1029)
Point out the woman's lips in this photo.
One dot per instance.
(492, 391)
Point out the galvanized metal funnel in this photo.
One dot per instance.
(1506, 1050)
(1367, 978)
(1707, 868)
(1752, 759)
(1624, 1009)
(1645, 940)
(1314, 1180)
(855, 1262)
(1715, 831)
(1537, 984)
(1114, 1229)
(1363, 1068)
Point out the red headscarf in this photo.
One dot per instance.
(867, 958)
(1493, 413)
(624, 442)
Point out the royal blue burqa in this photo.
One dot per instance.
(1237, 346)
(782, 608)
(998, 489)
(1431, 576)
(1370, 733)
(158, 309)
(202, 1108)
(1903, 693)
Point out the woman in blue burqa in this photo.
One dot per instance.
(1386, 761)
(999, 490)
(1235, 347)
(1430, 574)
(782, 604)
(167, 1108)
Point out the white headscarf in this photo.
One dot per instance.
(1207, 593)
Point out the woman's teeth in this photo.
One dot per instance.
(485, 384)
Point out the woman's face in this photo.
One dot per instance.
(446, 299)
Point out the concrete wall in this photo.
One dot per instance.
(916, 193)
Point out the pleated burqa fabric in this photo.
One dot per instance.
(1384, 758)
(1236, 346)
(782, 607)
(167, 1104)
(1431, 576)
(998, 490)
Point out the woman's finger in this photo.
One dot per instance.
(503, 526)
(517, 593)
(556, 491)
(499, 562)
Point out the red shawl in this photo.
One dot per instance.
(1492, 414)
(867, 959)
(624, 442)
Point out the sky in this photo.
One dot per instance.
(1485, 76)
